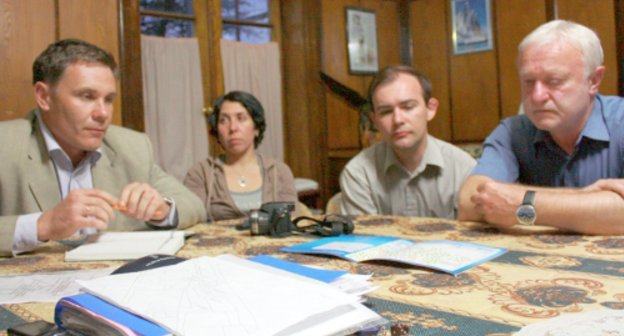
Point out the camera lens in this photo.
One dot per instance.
(258, 222)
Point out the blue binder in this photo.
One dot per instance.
(91, 315)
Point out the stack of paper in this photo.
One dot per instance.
(227, 295)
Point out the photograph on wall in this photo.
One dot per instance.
(472, 26)
(361, 41)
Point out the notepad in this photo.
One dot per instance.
(447, 256)
(127, 245)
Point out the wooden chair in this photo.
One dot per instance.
(308, 192)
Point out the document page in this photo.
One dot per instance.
(44, 287)
(208, 296)
(448, 256)
(444, 255)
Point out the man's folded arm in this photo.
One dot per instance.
(590, 212)
(466, 208)
(596, 209)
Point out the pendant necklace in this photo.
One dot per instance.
(242, 180)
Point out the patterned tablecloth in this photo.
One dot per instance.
(544, 274)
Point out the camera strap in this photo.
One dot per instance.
(330, 226)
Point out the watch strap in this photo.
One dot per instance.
(529, 197)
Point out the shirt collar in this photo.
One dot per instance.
(595, 127)
(432, 156)
(53, 146)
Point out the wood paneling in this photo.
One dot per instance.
(598, 15)
(304, 113)
(95, 22)
(512, 25)
(431, 56)
(131, 76)
(333, 44)
(26, 29)
(343, 119)
(619, 24)
(474, 95)
(388, 34)
(342, 123)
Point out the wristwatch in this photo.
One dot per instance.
(526, 214)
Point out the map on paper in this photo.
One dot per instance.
(44, 287)
(212, 296)
(443, 255)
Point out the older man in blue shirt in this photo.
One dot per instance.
(561, 164)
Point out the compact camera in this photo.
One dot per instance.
(272, 219)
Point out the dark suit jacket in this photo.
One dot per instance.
(28, 181)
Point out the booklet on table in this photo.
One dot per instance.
(443, 255)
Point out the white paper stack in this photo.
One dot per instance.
(228, 295)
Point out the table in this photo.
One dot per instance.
(545, 273)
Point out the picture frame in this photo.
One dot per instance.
(472, 26)
(361, 41)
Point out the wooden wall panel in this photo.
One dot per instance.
(342, 119)
(513, 23)
(333, 42)
(97, 23)
(599, 15)
(26, 29)
(388, 34)
(431, 56)
(342, 123)
(474, 95)
(304, 113)
(619, 41)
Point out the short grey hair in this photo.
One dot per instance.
(576, 35)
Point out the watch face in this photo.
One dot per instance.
(526, 214)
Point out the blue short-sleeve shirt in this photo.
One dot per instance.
(516, 151)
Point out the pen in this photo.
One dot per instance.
(124, 208)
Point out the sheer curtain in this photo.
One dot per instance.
(255, 68)
(173, 97)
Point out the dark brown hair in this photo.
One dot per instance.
(391, 73)
(52, 62)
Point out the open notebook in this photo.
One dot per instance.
(127, 245)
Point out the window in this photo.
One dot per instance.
(246, 20)
(167, 18)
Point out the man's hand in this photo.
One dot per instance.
(497, 202)
(80, 209)
(613, 185)
(142, 202)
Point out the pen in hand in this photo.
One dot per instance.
(123, 208)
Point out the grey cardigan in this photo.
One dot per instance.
(207, 180)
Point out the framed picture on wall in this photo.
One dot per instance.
(361, 41)
(472, 26)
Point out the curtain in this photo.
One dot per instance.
(173, 97)
(255, 68)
